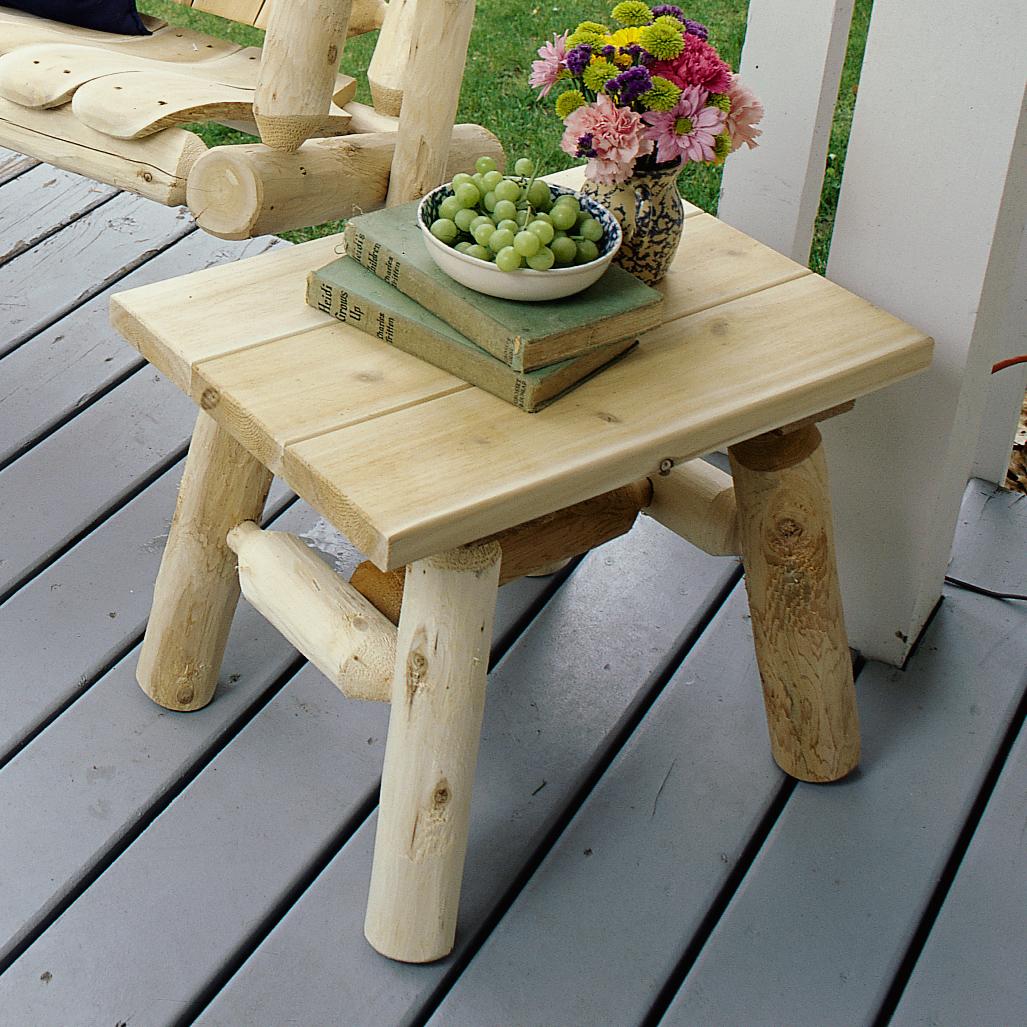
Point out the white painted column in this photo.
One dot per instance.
(929, 225)
(792, 58)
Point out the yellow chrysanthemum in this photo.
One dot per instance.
(624, 37)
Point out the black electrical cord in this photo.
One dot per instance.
(971, 587)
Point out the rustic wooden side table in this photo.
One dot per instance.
(424, 472)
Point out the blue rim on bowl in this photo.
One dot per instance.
(524, 283)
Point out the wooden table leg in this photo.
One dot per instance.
(198, 585)
(438, 696)
(784, 519)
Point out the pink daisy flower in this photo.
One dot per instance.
(545, 72)
(610, 136)
(698, 64)
(745, 114)
(689, 131)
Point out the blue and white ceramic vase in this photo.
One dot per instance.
(649, 210)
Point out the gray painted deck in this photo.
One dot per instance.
(635, 855)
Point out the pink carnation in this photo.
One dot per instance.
(546, 71)
(610, 136)
(745, 114)
(698, 64)
(689, 131)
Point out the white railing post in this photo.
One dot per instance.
(1005, 392)
(792, 59)
(929, 225)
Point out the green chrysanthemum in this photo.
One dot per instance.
(598, 73)
(593, 26)
(633, 12)
(663, 95)
(671, 23)
(592, 39)
(664, 41)
(721, 101)
(569, 101)
(721, 148)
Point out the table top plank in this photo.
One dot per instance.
(406, 462)
(693, 385)
(289, 390)
(181, 321)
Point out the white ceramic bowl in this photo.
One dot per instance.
(522, 284)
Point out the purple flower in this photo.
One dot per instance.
(697, 28)
(669, 10)
(578, 59)
(634, 51)
(585, 148)
(608, 52)
(630, 84)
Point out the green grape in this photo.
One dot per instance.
(459, 180)
(587, 252)
(525, 166)
(467, 194)
(589, 229)
(508, 190)
(492, 179)
(489, 201)
(521, 218)
(483, 233)
(567, 200)
(539, 195)
(563, 216)
(444, 230)
(541, 215)
(543, 260)
(508, 223)
(527, 244)
(479, 252)
(483, 165)
(464, 218)
(480, 219)
(508, 259)
(479, 183)
(564, 250)
(583, 216)
(504, 209)
(448, 207)
(544, 230)
(462, 247)
(500, 239)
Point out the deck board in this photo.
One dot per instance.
(160, 867)
(43, 201)
(65, 367)
(13, 164)
(972, 967)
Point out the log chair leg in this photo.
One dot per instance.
(198, 586)
(438, 696)
(784, 521)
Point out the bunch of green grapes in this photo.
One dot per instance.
(513, 221)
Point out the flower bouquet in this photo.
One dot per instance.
(641, 98)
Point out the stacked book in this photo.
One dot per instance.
(526, 353)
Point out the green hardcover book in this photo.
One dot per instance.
(354, 295)
(523, 335)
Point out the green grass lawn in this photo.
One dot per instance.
(496, 93)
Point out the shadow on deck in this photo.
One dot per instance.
(635, 855)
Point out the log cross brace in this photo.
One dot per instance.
(348, 629)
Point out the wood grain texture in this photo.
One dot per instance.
(697, 501)
(438, 700)
(198, 585)
(433, 68)
(131, 105)
(298, 70)
(786, 534)
(538, 547)
(386, 72)
(156, 168)
(169, 42)
(245, 190)
(326, 619)
(41, 202)
(13, 164)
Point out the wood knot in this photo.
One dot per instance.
(333, 54)
(788, 528)
(359, 623)
(417, 671)
(210, 398)
(185, 695)
(441, 796)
